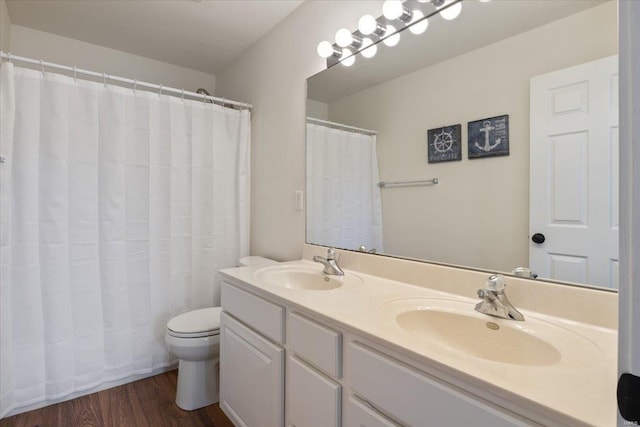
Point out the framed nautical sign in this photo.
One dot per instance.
(444, 144)
(489, 137)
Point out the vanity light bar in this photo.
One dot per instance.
(372, 31)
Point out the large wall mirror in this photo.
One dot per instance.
(512, 108)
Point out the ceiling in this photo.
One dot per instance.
(205, 35)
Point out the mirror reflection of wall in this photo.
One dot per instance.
(478, 216)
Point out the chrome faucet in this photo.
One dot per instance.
(330, 263)
(363, 248)
(494, 300)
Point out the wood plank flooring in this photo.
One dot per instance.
(148, 402)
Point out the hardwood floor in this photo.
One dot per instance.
(148, 402)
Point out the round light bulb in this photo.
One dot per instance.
(349, 58)
(367, 25)
(392, 9)
(343, 37)
(421, 26)
(451, 13)
(369, 49)
(393, 39)
(325, 49)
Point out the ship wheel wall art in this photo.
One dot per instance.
(444, 144)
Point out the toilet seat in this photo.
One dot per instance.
(204, 322)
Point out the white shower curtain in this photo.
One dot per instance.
(117, 209)
(343, 198)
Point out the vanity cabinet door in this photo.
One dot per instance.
(313, 400)
(415, 399)
(251, 376)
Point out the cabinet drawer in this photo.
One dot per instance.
(317, 344)
(260, 314)
(360, 415)
(422, 400)
(313, 399)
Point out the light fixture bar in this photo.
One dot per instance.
(406, 15)
(333, 60)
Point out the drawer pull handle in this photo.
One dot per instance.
(379, 412)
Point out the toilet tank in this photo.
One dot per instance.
(257, 261)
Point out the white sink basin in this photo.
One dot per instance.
(305, 278)
(454, 326)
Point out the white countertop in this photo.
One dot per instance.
(573, 392)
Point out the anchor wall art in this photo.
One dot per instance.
(489, 137)
(444, 144)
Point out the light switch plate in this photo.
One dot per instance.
(299, 196)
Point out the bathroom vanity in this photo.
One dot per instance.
(300, 348)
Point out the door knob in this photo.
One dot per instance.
(538, 238)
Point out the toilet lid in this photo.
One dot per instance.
(204, 320)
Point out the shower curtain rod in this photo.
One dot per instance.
(342, 126)
(160, 88)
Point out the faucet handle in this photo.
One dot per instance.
(496, 283)
(524, 272)
(331, 254)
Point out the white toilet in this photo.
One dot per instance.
(194, 338)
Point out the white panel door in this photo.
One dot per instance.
(251, 376)
(573, 224)
(629, 296)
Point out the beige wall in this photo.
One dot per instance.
(272, 76)
(482, 202)
(66, 51)
(5, 27)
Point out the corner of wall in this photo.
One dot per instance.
(272, 75)
(5, 27)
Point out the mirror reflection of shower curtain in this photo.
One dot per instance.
(344, 209)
